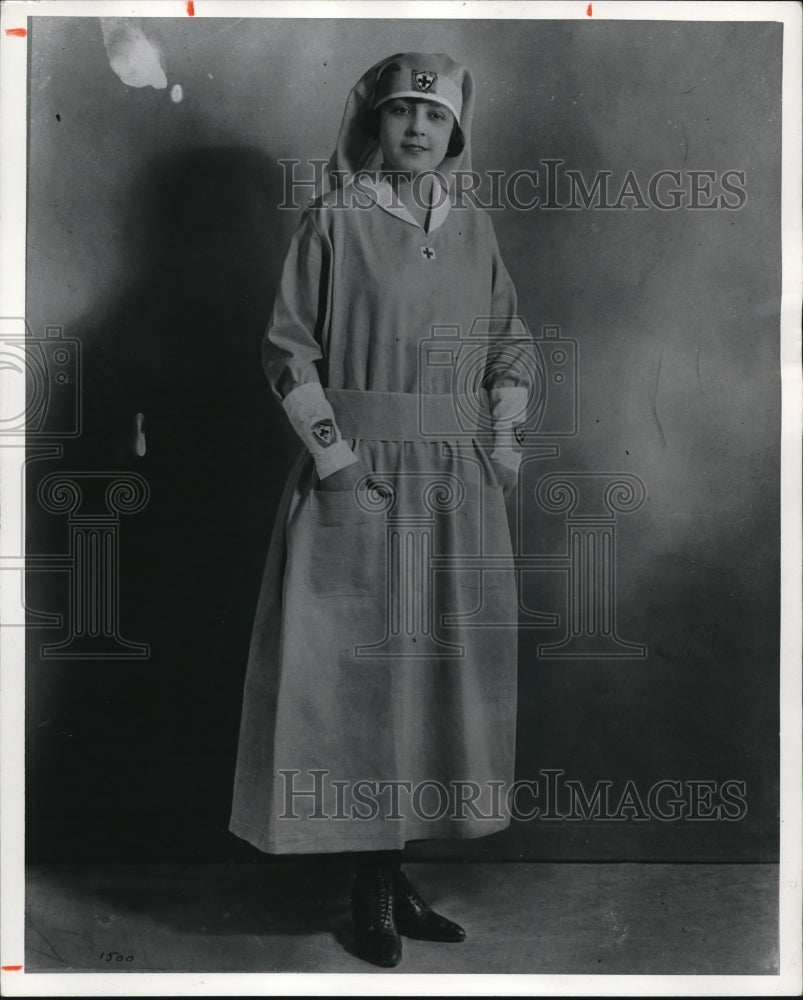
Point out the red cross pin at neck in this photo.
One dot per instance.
(427, 253)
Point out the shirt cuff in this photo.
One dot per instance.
(313, 419)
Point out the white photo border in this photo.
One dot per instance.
(15, 18)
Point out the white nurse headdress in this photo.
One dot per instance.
(434, 77)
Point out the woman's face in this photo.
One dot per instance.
(414, 134)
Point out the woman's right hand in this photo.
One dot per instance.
(344, 479)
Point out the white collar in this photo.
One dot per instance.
(380, 190)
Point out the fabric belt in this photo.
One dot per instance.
(405, 416)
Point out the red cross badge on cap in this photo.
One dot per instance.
(423, 79)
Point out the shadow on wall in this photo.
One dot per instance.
(203, 244)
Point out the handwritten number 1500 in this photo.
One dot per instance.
(115, 956)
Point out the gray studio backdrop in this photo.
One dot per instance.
(155, 240)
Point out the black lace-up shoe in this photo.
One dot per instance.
(373, 908)
(416, 920)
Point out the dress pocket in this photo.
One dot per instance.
(346, 545)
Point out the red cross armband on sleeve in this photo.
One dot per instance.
(313, 419)
(508, 411)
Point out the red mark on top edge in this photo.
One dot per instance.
(589, 11)
(12, 968)
(190, 8)
(17, 33)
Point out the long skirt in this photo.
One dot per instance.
(380, 693)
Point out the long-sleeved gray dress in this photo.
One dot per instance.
(382, 668)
